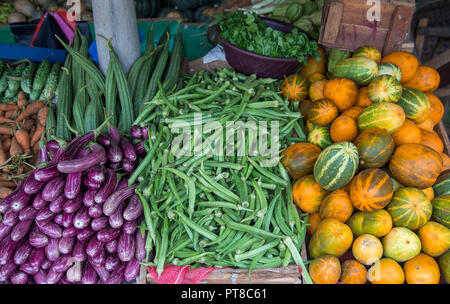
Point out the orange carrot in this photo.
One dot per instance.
(21, 100)
(40, 129)
(23, 138)
(42, 115)
(3, 156)
(30, 110)
(8, 107)
(15, 148)
(6, 144)
(3, 119)
(28, 124)
(21, 170)
(9, 184)
(11, 114)
(36, 148)
(4, 192)
(6, 130)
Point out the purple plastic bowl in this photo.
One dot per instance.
(249, 63)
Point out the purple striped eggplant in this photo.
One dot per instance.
(54, 188)
(63, 263)
(57, 205)
(115, 166)
(139, 148)
(111, 247)
(10, 218)
(40, 277)
(93, 247)
(50, 229)
(53, 145)
(117, 275)
(39, 202)
(115, 153)
(132, 270)
(91, 185)
(19, 277)
(89, 275)
(5, 230)
(20, 230)
(83, 153)
(123, 183)
(28, 213)
(82, 219)
(79, 251)
(73, 185)
(88, 198)
(116, 199)
(6, 270)
(107, 235)
(145, 133)
(28, 269)
(37, 257)
(140, 246)
(114, 134)
(32, 186)
(70, 232)
(73, 274)
(44, 157)
(99, 259)
(97, 156)
(73, 205)
(136, 132)
(104, 140)
(44, 214)
(128, 150)
(126, 247)
(46, 174)
(107, 188)
(96, 211)
(96, 174)
(5, 204)
(112, 262)
(85, 234)
(129, 227)
(101, 272)
(58, 219)
(133, 209)
(37, 239)
(53, 277)
(116, 219)
(22, 253)
(46, 264)
(67, 221)
(99, 223)
(52, 251)
(7, 247)
(75, 146)
(65, 245)
(19, 201)
(128, 166)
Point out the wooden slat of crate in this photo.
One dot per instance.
(442, 132)
(345, 25)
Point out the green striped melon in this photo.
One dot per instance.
(441, 209)
(384, 88)
(410, 208)
(320, 136)
(362, 70)
(383, 115)
(375, 147)
(336, 165)
(388, 68)
(415, 104)
(395, 182)
(442, 184)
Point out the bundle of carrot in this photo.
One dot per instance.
(22, 125)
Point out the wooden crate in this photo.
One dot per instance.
(345, 24)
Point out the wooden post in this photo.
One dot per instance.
(116, 19)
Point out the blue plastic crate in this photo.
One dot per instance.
(35, 54)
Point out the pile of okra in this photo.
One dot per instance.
(221, 211)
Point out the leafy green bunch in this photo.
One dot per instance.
(249, 32)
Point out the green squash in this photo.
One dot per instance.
(147, 8)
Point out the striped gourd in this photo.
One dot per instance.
(410, 208)
(441, 209)
(415, 104)
(375, 147)
(442, 184)
(320, 136)
(369, 52)
(322, 112)
(336, 165)
(390, 69)
(384, 115)
(371, 189)
(377, 223)
(360, 69)
(384, 88)
(295, 87)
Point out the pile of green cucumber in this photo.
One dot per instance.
(210, 210)
(86, 98)
(37, 80)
